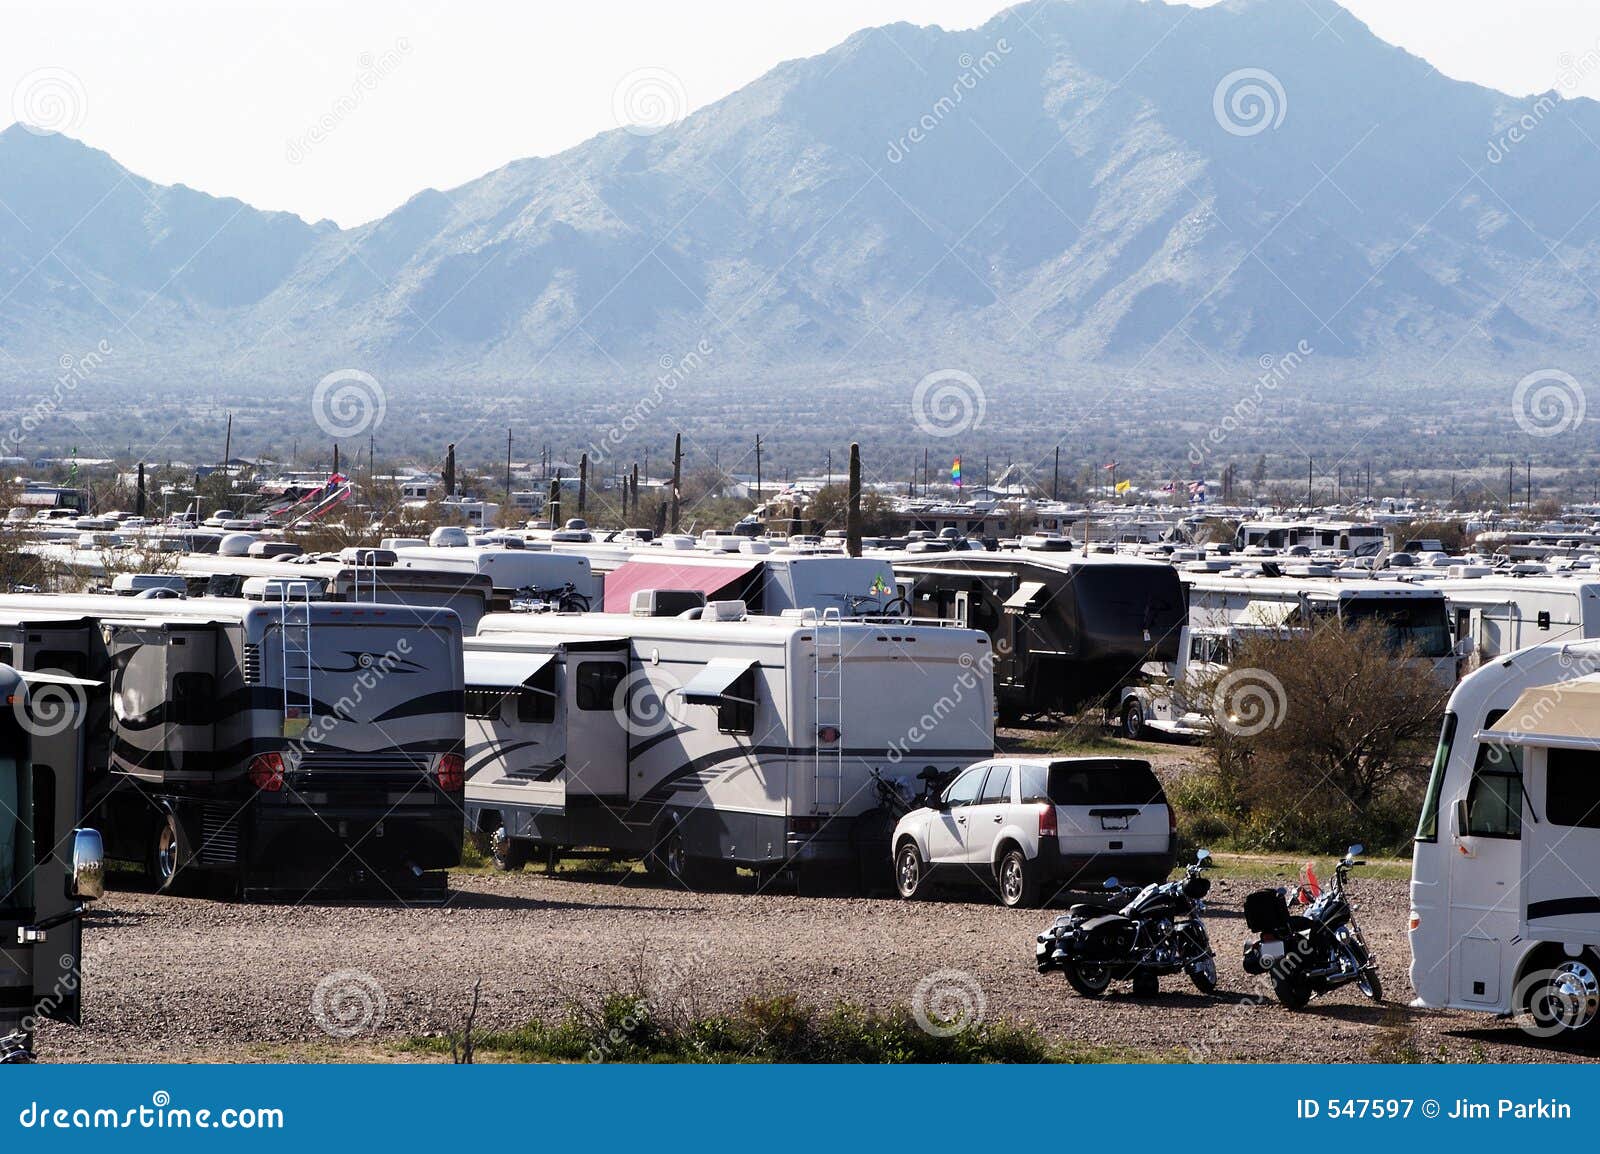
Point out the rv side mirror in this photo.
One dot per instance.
(88, 865)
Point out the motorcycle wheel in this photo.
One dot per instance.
(1090, 979)
(1370, 984)
(1292, 993)
(1204, 975)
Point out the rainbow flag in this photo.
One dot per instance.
(955, 473)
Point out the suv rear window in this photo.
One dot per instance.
(1093, 781)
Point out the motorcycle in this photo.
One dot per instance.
(1159, 931)
(1310, 953)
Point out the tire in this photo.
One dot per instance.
(1133, 720)
(910, 872)
(1204, 975)
(1087, 978)
(506, 854)
(1370, 984)
(1565, 1001)
(168, 855)
(1292, 993)
(1019, 881)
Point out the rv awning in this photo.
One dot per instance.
(1565, 715)
(503, 670)
(1029, 597)
(631, 576)
(711, 685)
(1272, 613)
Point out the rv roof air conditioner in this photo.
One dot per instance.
(235, 544)
(665, 602)
(677, 541)
(401, 543)
(724, 611)
(125, 584)
(448, 537)
(755, 547)
(274, 549)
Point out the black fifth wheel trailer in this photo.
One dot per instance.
(48, 866)
(279, 746)
(1067, 628)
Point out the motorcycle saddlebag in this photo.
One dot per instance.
(1107, 938)
(1266, 911)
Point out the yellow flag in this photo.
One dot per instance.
(1124, 486)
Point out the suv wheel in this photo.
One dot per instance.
(1019, 881)
(909, 872)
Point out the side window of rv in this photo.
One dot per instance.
(597, 683)
(1572, 786)
(66, 661)
(484, 704)
(737, 711)
(194, 698)
(536, 702)
(1494, 799)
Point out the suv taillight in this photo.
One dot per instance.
(1047, 821)
(266, 772)
(451, 772)
(1172, 822)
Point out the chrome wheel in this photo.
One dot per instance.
(1011, 880)
(675, 856)
(908, 871)
(1133, 721)
(1571, 996)
(167, 852)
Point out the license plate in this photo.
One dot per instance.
(1113, 823)
(1271, 951)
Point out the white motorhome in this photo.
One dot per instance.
(1412, 615)
(1505, 874)
(705, 744)
(1170, 696)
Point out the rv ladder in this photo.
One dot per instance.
(372, 575)
(294, 634)
(828, 756)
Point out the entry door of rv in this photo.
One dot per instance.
(57, 750)
(597, 697)
(1561, 852)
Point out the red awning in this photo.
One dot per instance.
(631, 576)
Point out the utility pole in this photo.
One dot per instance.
(227, 443)
(1055, 477)
(1310, 479)
(583, 483)
(852, 516)
(677, 476)
(634, 490)
(758, 468)
(508, 470)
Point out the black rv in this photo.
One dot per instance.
(1068, 628)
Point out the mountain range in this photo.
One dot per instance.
(1077, 182)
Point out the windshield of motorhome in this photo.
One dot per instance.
(16, 840)
(1418, 622)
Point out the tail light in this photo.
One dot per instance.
(451, 772)
(1172, 822)
(266, 772)
(1047, 821)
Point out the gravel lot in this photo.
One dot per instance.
(190, 979)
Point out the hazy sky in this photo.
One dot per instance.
(346, 110)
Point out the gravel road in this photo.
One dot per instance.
(190, 979)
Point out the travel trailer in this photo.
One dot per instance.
(712, 743)
(1067, 627)
(275, 745)
(767, 582)
(1332, 538)
(512, 572)
(1413, 615)
(1170, 697)
(1496, 614)
(49, 867)
(1505, 873)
